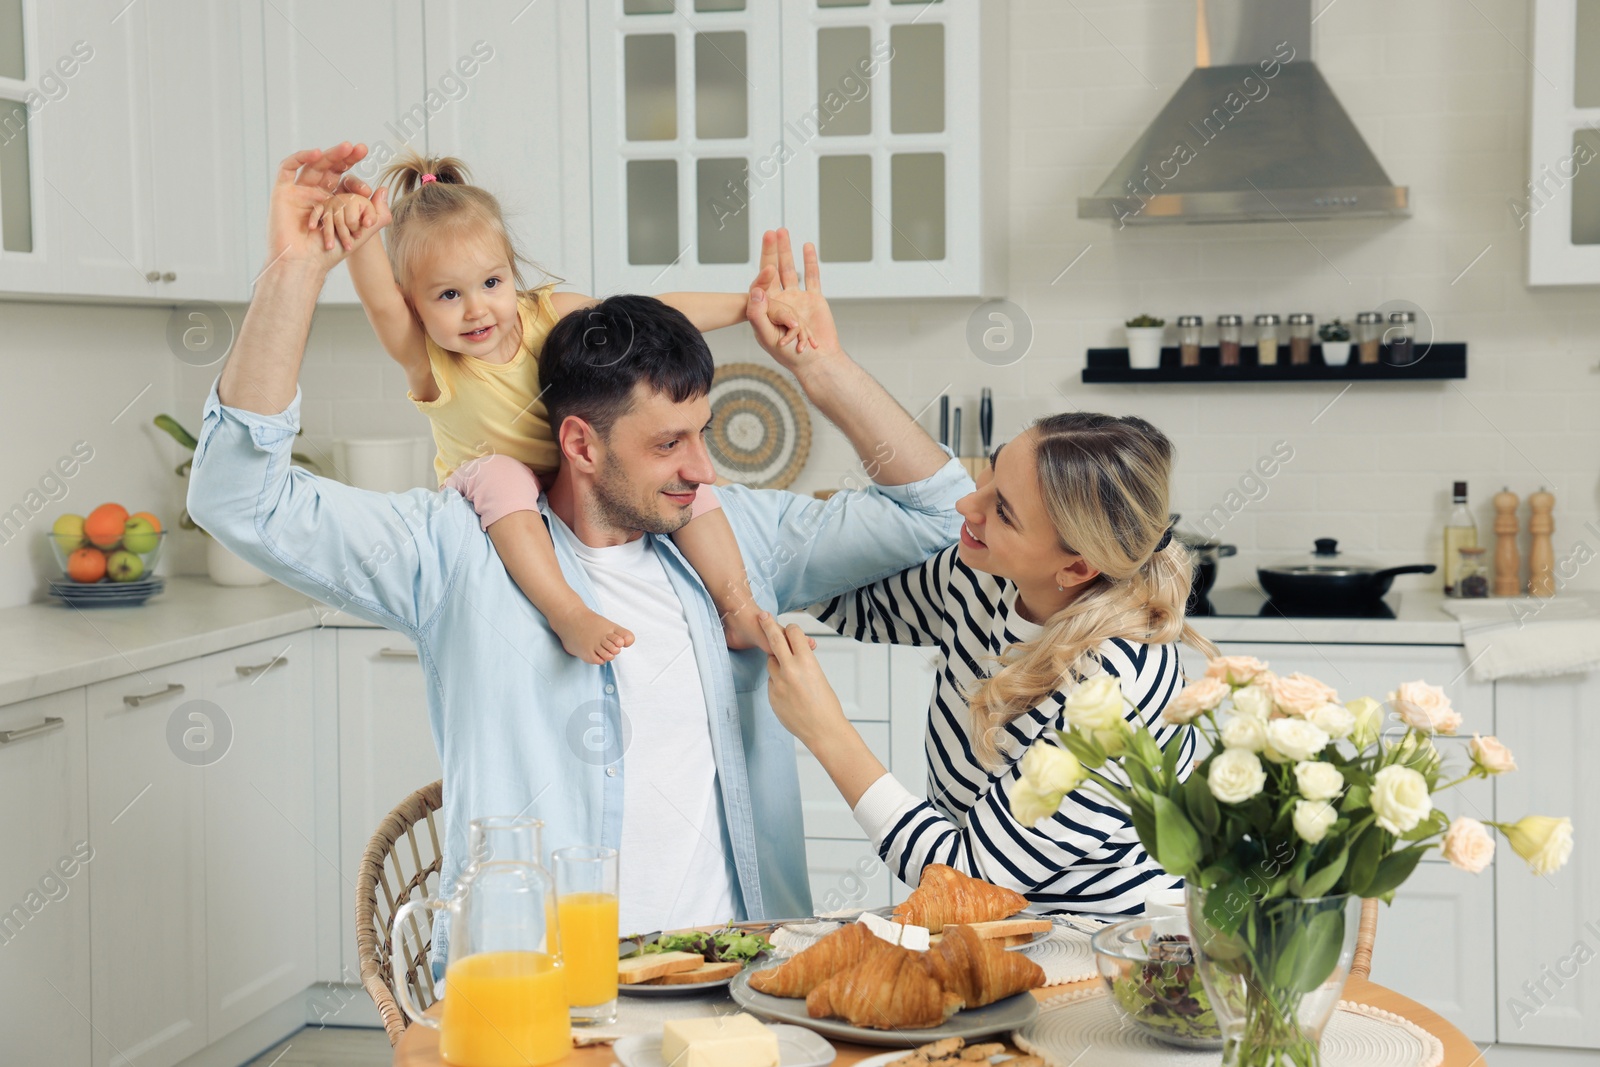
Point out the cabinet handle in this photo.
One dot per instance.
(49, 725)
(261, 668)
(398, 653)
(169, 276)
(144, 698)
(152, 276)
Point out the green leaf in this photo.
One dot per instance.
(1202, 805)
(1394, 870)
(1089, 754)
(1436, 823)
(1355, 797)
(1312, 952)
(1319, 884)
(1177, 843)
(1365, 853)
(1169, 759)
(1144, 824)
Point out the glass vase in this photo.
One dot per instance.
(1273, 969)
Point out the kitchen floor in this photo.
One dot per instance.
(330, 1046)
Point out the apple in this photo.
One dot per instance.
(68, 532)
(124, 566)
(138, 535)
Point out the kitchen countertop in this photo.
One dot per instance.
(50, 647)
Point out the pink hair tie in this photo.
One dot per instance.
(426, 178)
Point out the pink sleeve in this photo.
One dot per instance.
(496, 486)
(705, 499)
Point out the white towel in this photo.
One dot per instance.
(1529, 637)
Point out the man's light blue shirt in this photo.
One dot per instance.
(521, 727)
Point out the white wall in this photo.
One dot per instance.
(1439, 89)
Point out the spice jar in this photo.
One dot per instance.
(1230, 328)
(1300, 339)
(1369, 335)
(1267, 339)
(1472, 572)
(1189, 339)
(1402, 338)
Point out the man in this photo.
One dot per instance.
(521, 727)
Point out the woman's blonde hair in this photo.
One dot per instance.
(447, 208)
(1104, 482)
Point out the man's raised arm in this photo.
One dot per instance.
(894, 449)
(264, 368)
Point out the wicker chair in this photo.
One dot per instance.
(404, 868)
(1366, 934)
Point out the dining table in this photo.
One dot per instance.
(419, 1045)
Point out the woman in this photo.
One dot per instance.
(1066, 567)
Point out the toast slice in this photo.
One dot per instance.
(643, 968)
(706, 972)
(1009, 928)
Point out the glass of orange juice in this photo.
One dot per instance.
(586, 908)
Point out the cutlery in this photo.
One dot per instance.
(955, 435)
(986, 420)
(629, 946)
(944, 420)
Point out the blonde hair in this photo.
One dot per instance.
(1104, 482)
(448, 208)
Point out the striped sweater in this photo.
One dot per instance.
(1087, 858)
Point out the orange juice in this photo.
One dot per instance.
(589, 947)
(505, 1009)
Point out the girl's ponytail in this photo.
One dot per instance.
(403, 177)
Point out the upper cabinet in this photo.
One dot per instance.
(25, 247)
(875, 128)
(1560, 208)
(344, 70)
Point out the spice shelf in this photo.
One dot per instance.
(1438, 362)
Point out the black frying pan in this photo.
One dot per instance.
(1334, 585)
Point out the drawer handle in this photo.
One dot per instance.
(261, 668)
(49, 725)
(398, 653)
(144, 698)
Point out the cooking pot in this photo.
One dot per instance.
(1329, 581)
(1207, 553)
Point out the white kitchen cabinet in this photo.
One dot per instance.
(260, 858)
(822, 807)
(147, 898)
(510, 81)
(44, 880)
(703, 139)
(1560, 207)
(386, 749)
(847, 874)
(346, 70)
(28, 259)
(913, 670)
(1433, 946)
(1547, 929)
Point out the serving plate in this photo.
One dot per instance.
(797, 1047)
(106, 594)
(645, 989)
(1003, 1016)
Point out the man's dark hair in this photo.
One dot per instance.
(593, 358)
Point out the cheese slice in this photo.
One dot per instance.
(718, 1041)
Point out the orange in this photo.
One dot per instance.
(104, 525)
(154, 522)
(86, 565)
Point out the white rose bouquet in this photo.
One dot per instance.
(1302, 805)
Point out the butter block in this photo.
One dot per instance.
(907, 935)
(718, 1041)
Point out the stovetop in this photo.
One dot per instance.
(1245, 602)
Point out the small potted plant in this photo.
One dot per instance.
(1335, 343)
(1144, 341)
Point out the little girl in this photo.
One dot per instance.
(448, 304)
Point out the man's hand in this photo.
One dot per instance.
(780, 285)
(306, 181)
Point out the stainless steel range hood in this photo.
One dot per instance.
(1254, 134)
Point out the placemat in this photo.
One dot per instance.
(1066, 957)
(1071, 1024)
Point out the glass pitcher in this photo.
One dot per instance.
(505, 1002)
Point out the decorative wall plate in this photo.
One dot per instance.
(760, 430)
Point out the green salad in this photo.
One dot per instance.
(720, 946)
(1166, 995)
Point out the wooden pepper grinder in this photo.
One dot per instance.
(1507, 561)
(1541, 557)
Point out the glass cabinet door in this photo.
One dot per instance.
(1559, 206)
(24, 265)
(686, 167)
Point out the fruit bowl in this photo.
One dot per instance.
(108, 547)
(1148, 965)
(117, 564)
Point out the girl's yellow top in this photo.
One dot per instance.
(486, 408)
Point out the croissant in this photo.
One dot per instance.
(803, 972)
(946, 896)
(978, 971)
(891, 989)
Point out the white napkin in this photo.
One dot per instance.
(1529, 637)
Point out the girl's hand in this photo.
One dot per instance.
(796, 332)
(350, 217)
(800, 694)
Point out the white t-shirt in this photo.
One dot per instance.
(672, 867)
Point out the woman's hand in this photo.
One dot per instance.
(800, 694)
